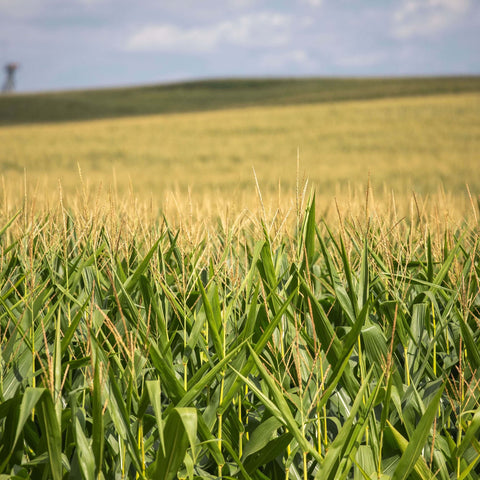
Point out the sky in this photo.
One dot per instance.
(65, 44)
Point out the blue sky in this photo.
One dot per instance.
(64, 44)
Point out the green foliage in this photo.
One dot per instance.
(349, 355)
(215, 95)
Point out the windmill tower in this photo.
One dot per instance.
(10, 69)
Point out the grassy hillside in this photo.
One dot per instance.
(214, 95)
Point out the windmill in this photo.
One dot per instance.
(10, 69)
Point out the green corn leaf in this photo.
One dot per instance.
(194, 337)
(7, 225)
(52, 432)
(323, 326)
(214, 321)
(429, 259)
(307, 243)
(344, 442)
(170, 382)
(335, 349)
(273, 449)
(352, 293)
(249, 327)
(259, 346)
(260, 437)
(442, 273)
(118, 411)
(365, 463)
(266, 268)
(132, 281)
(339, 368)
(72, 328)
(376, 346)
(57, 370)
(98, 427)
(152, 305)
(249, 283)
(29, 400)
(282, 410)
(364, 285)
(198, 382)
(472, 347)
(177, 393)
(340, 292)
(154, 392)
(212, 443)
(228, 447)
(85, 456)
(180, 430)
(420, 467)
(190, 422)
(414, 448)
(470, 434)
(466, 472)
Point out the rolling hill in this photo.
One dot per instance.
(218, 94)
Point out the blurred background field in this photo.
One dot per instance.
(422, 143)
(217, 94)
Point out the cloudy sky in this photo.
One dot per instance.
(63, 44)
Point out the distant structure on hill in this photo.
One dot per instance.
(10, 69)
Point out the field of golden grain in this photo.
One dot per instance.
(423, 144)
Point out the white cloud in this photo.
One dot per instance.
(172, 38)
(427, 17)
(314, 3)
(90, 2)
(254, 30)
(241, 3)
(287, 58)
(360, 60)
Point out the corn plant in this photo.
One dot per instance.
(326, 353)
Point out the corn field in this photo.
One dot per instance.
(346, 351)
